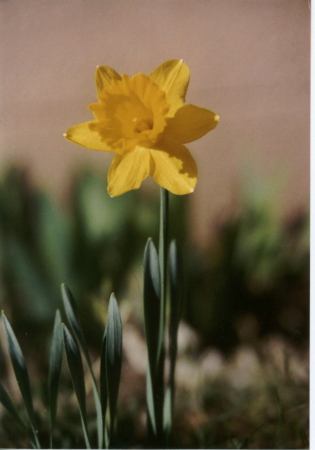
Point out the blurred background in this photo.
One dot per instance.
(243, 361)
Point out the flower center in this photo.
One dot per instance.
(130, 113)
(142, 125)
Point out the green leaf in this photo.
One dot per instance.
(72, 316)
(154, 337)
(176, 307)
(6, 401)
(152, 304)
(77, 375)
(71, 311)
(103, 383)
(150, 403)
(20, 370)
(113, 357)
(55, 369)
(176, 295)
(103, 376)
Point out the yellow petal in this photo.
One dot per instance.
(128, 171)
(190, 123)
(83, 135)
(173, 167)
(172, 77)
(104, 76)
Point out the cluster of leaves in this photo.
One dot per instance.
(74, 343)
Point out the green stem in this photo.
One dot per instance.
(163, 244)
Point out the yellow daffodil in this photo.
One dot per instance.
(144, 121)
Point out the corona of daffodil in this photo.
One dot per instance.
(144, 122)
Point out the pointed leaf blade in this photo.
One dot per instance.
(103, 376)
(77, 375)
(152, 304)
(55, 368)
(113, 357)
(20, 369)
(176, 307)
(6, 401)
(71, 311)
(72, 316)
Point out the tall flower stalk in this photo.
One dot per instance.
(144, 122)
(162, 293)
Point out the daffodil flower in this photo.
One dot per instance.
(144, 122)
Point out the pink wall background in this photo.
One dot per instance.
(249, 61)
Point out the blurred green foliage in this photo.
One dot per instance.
(92, 244)
(252, 277)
